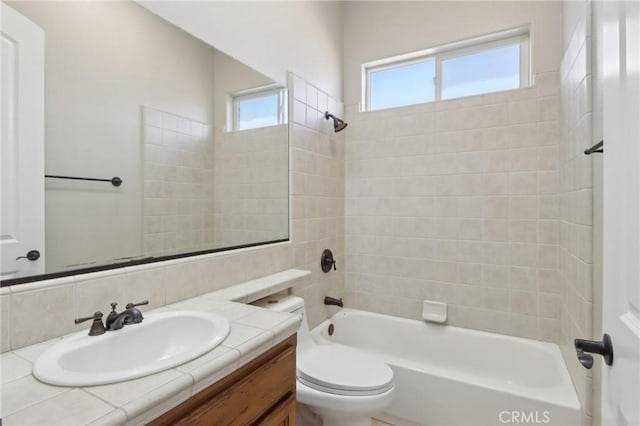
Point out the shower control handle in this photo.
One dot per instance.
(585, 347)
(327, 261)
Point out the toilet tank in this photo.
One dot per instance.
(281, 302)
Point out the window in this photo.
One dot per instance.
(482, 65)
(259, 107)
(404, 84)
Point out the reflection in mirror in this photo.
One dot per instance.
(199, 140)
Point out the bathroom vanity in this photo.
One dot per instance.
(262, 392)
(248, 379)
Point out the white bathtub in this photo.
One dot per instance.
(447, 375)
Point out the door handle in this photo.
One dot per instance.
(603, 347)
(32, 255)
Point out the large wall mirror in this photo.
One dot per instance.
(198, 140)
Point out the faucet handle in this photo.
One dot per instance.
(135, 316)
(97, 315)
(133, 305)
(97, 327)
(112, 316)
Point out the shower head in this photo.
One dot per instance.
(338, 124)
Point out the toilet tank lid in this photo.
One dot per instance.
(280, 303)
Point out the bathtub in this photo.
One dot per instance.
(454, 376)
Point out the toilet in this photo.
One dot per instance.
(342, 385)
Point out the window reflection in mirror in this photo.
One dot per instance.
(259, 107)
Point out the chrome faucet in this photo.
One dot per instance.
(131, 315)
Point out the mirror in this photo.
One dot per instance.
(198, 140)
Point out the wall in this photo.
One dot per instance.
(272, 37)
(178, 196)
(377, 30)
(577, 183)
(205, 190)
(317, 176)
(251, 186)
(597, 134)
(457, 201)
(96, 81)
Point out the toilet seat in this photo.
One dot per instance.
(341, 370)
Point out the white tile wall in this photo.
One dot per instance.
(576, 202)
(5, 321)
(178, 184)
(458, 202)
(251, 186)
(64, 299)
(317, 192)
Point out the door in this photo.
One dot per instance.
(621, 211)
(22, 146)
(283, 415)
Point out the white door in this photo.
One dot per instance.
(621, 211)
(22, 145)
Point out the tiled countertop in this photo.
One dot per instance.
(26, 401)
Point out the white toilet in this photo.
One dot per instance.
(344, 386)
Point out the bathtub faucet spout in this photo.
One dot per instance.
(332, 301)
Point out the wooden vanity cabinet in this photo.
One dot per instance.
(263, 392)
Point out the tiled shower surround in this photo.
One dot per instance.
(206, 189)
(178, 184)
(458, 201)
(250, 186)
(576, 204)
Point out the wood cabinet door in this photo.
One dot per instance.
(283, 415)
(258, 393)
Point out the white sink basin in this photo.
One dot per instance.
(162, 341)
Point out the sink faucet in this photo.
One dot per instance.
(131, 315)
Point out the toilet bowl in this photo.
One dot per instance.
(344, 386)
